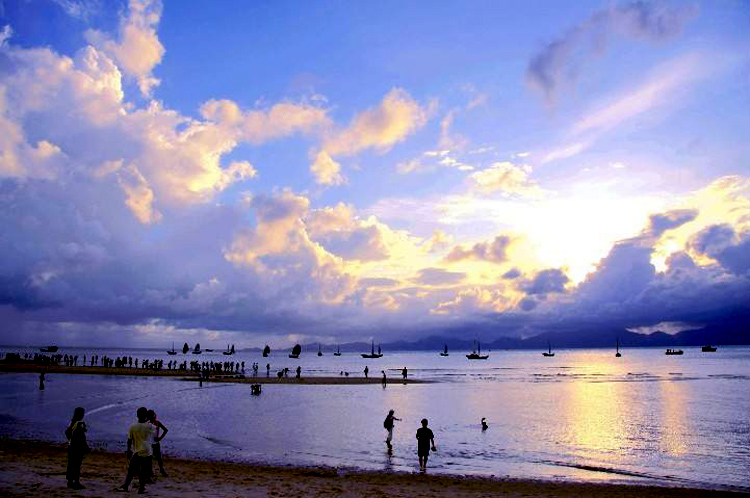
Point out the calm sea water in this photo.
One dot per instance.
(582, 415)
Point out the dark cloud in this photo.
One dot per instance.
(494, 252)
(511, 274)
(545, 282)
(660, 223)
(557, 63)
(721, 243)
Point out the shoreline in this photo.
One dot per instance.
(34, 468)
(194, 377)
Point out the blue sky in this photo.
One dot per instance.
(284, 171)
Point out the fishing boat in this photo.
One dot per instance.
(320, 353)
(185, 348)
(373, 354)
(197, 349)
(549, 351)
(476, 354)
(672, 352)
(49, 349)
(208, 350)
(296, 350)
(338, 351)
(229, 351)
(266, 351)
(172, 351)
(445, 351)
(708, 349)
(617, 354)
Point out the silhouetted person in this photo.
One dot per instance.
(160, 432)
(484, 424)
(404, 373)
(299, 371)
(41, 381)
(384, 381)
(77, 448)
(140, 437)
(268, 369)
(367, 370)
(425, 441)
(388, 425)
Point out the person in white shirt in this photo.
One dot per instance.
(140, 438)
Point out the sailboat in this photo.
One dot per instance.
(185, 348)
(229, 351)
(197, 349)
(373, 354)
(477, 353)
(266, 351)
(549, 350)
(320, 353)
(172, 351)
(617, 354)
(445, 351)
(338, 351)
(296, 350)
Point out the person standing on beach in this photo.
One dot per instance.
(77, 448)
(425, 441)
(41, 381)
(160, 433)
(404, 373)
(384, 381)
(140, 437)
(367, 370)
(388, 425)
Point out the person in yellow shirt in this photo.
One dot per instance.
(140, 439)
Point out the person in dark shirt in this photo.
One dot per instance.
(388, 425)
(425, 441)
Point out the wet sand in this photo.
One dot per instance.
(190, 376)
(35, 469)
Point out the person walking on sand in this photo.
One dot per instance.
(384, 381)
(160, 431)
(367, 370)
(388, 425)
(77, 448)
(425, 441)
(404, 373)
(140, 437)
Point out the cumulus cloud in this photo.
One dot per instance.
(493, 252)
(379, 128)
(661, 222)
(504, 178)
(138, 194)
(138, 49)
(339, 231)
(555, 66)
(472, 300)
(512, 274)
(325, 170)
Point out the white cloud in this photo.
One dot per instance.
(139, 196)
(325, 170)
(138, 49)
(505, 178)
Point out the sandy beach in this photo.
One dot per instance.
(31, 469)
(247, 378)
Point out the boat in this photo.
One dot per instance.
(266, 351)
(229, 351)
(296, 350)
(617, 354)
(476, 354)
(708, 349)
(172, 351)
(49, 349)
(373, 354)
(672, 352)
(445, 351)
(197, 349)
(549, 350)
(338, 351)
(208, 350)
(185, 348)
(320, 353)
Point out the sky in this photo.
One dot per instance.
(281, 172)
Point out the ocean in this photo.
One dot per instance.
(581, 415)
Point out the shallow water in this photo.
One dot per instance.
(583, 414)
